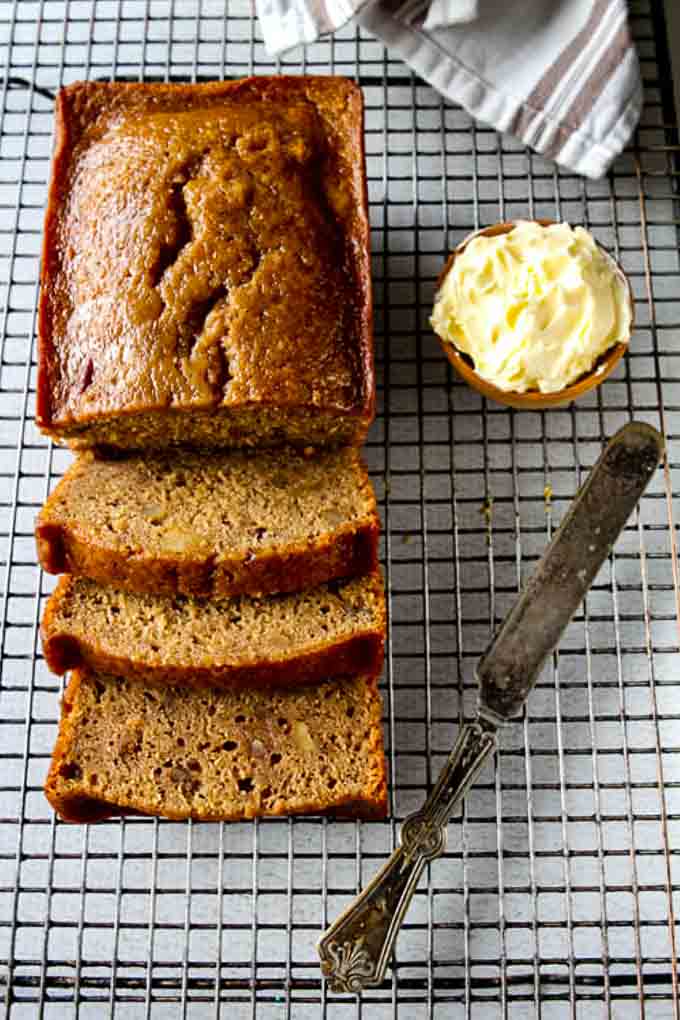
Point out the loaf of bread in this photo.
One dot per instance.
(337, 629)
(206, 271)
(215, 755)
(212, 523)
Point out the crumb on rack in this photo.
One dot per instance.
(487, 510)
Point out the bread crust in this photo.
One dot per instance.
(357, 654)
(80, 806)
(83, 112)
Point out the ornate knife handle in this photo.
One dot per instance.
(355, 949)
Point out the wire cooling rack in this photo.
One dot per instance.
(560, 891)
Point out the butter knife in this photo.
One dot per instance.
(355, 950)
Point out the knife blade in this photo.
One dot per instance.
(508, 669)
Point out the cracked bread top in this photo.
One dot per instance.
(206, 250)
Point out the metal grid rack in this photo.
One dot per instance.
(559, 893)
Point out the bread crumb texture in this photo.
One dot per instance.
(220, 522)
(217, 755)
(338, 627)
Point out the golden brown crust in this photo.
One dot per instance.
(50, 259)
(81, 398)
(352, 655)
(77, 804)
(51, 541)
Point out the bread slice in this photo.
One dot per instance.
(215, 755)
(212, 523)
(336, 629)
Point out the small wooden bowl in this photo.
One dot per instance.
(533, 400)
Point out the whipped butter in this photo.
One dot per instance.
(533, 308)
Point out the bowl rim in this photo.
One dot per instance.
(602, 368)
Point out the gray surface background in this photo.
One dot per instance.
(559, 893)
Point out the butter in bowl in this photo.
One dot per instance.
(533, 314)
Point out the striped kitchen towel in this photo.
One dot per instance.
(561, 75)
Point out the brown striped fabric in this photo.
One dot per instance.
(567, 57)
(561, 75)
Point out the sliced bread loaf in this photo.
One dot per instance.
(217, 755)
(212, 523)
(332, 630)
